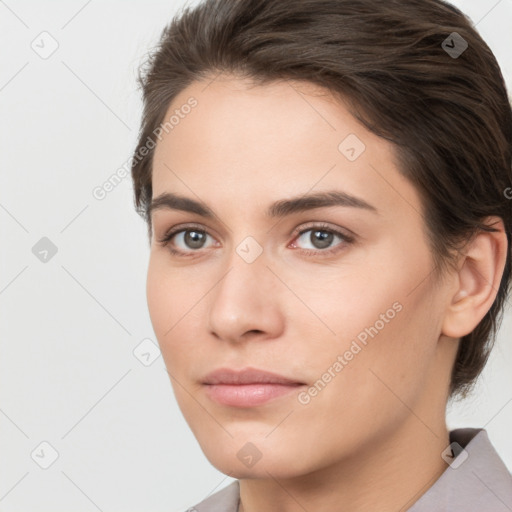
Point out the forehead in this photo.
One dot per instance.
(267, 141)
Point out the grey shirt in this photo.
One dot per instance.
(475, 480)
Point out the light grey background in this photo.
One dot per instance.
(69, 326)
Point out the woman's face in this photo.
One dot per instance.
(349, 309)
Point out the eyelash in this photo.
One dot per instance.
(345, 239)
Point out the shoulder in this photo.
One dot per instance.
(475, 478)
(225, 500)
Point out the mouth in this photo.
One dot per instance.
(248, 387)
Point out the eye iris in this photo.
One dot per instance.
(323, 237)
(194, 239)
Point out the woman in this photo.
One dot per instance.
(325, 188)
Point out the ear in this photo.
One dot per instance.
(477, 281)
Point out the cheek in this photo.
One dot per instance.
(174, 309)
(365, 399)
(169, 294)
(165, 298)
(158, 297)
(385, 324)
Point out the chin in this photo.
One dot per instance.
(252, 460)
(269, 468)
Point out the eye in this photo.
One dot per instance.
(191, 239)
(321, 238)
(187, 239)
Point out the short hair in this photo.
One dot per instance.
(414, 72)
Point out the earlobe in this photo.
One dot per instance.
(479, 276)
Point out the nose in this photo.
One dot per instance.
(245, 302)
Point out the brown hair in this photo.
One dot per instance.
(406, 77)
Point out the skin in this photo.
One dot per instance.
(372, 438)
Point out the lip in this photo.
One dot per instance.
(247, 376)
(248, 387)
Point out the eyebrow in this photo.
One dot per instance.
(282, 208)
